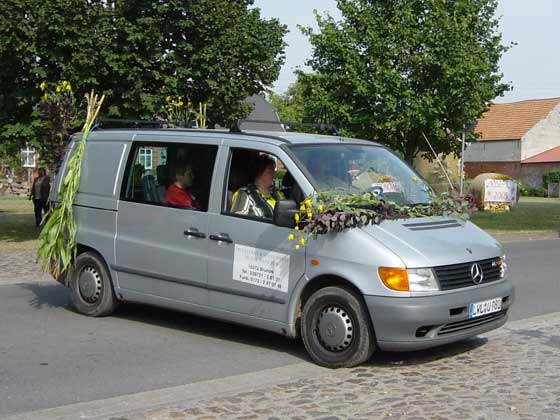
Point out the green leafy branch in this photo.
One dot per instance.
(58, 236)
(335, 212)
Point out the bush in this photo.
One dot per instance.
(527, 191)
(551, 176)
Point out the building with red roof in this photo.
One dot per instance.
(520, 139)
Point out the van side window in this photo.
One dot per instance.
(170, 174)
(256, 181)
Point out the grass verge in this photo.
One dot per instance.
(17, 225)
(531, 214)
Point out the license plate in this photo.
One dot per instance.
(485, 307)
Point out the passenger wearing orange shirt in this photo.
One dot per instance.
(178, 194)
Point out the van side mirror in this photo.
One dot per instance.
(284, 212)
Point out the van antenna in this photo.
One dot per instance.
(439, 162)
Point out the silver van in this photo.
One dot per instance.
(400, 285)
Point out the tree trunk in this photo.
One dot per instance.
(411, 147)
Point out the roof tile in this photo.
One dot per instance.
(552, 155)
(512, 121)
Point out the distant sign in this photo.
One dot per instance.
(389, 187)
(500, 190)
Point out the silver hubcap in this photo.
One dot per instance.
(89, 284)
(335, 329)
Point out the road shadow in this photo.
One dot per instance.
(264, 339)
(48, 295)
(57, 296)
(53, 295)
(207, 327)
(420, 357)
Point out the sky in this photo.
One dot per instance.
(532, 66)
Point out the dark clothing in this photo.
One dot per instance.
(44, 189)
(40, 191)
(39, 206)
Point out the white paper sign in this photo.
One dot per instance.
(500, 190)
(389, 187)
(261, 267)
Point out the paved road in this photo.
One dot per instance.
(534, 267)
(51, 356)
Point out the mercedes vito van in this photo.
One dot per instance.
(336, 292)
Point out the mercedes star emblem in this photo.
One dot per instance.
(476, 273)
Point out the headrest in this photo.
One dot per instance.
(162, 172)
(238, 178)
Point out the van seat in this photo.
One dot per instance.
(151, 194)
(238, 178)
(162, 173)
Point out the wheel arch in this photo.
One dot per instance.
(64, 277)
(305, 290)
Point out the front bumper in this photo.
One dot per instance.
(414, 323)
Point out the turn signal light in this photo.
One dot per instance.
(394, 278)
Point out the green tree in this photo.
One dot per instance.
(290, 105)
(392, 70)
(136, 52)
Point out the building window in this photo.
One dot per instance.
(28, 157)
(145, 158)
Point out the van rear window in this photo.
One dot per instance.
(170, 174)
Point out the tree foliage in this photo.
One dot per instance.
(392, 70)
(136, 52)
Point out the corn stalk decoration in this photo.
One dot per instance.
(57, 239)
(179, 110)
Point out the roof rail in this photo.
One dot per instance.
(236, 128)
(123, 123)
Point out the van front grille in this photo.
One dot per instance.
(456, 276)
(471, 323)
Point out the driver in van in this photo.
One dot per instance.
(258, 199)
(178, 193)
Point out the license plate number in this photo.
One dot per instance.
(485, 307)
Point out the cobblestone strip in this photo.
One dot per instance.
(510, 376)
(19, 267)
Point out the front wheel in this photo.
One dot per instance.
(90, 283)
(336, 328)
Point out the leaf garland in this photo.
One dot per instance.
(335, 212)
(57, 239)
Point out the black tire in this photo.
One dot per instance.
(91, 286)
(336, 328)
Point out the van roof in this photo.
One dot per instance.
(271, 137)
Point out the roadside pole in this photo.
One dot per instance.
(462, 160)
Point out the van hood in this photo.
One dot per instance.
(435, 241)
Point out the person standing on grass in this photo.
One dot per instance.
(40, 194)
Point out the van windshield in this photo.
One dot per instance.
(356, 168)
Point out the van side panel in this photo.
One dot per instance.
(95, 207)
(101, 173)
(96, 229)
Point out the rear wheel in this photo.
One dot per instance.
(90, 283)
(336, 328)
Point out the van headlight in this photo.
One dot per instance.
(422, 280)
(408, 280)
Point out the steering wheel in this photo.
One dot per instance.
(376, 190)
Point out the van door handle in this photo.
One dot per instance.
(194, 232)
(222, 237)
